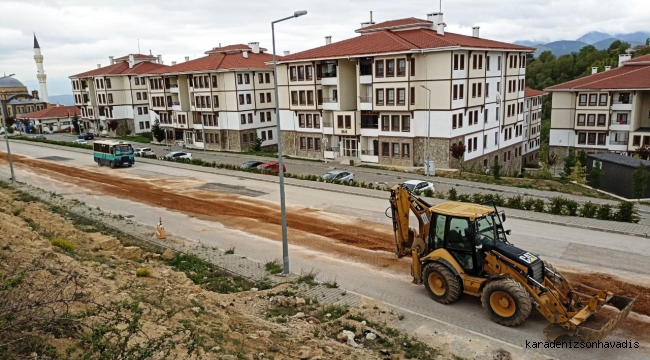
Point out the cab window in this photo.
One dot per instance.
(458, 235)
(438, 235)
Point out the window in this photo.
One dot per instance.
(394, 124)
(301, 120)
(591, 139)
(474, 86)
(601, 139)
(144, 96)
(250, 118)
(348, 122)
(268, 116)
(385, 123)
(268, 97)
(471, 117)
(317, 144)
(303, 143)
(480, 89)
(406, 151)
(110, 98)
(294, 98)
(319, 95)
(485, 115)
(485, 141)
(262, 117)
(401, 96)
(603, 100)
(140, 112)
(380, 97)
(310, 97)
(240, 79)
(591, 120)
(454, 121)
(583, 100)
(260, 78)
(263, 136)
(270, 137)
(396, 150)
(310, 72)
(412, 66)
(624, 98)
(412, 97)
(293, 71)
(469, 143)
(592, 99)
(301, 73)
(241, 99)
(455, 92)
(310, 143)
(262, 98)
(302, 97)
(496, 138)
(621, 119)
(602, 119)
(248, 98)
(390, 67)
(136, 80)
(379, 68)
(309, 121)
(108, 83)
(636, 141)
(242, 119)
(247, 78)
(401, 67)
(138, 96)
(461, 91)
(339, 121)
(385, 149)
(406, 123)
(459, 62)
(216, 101)
(214, 81)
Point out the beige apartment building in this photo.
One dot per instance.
(223, 101)
(116, 92)
(365, 99)
(607, 111)
(532, 125)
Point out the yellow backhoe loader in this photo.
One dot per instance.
(462, 248)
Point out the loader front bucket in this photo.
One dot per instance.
(599, 324)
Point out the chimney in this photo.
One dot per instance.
(245, 54)
(441, 29)
(435, 18)
(475, 31)
(132, 60)
(255, 47)
(287, 53)
(173, 63)
(608, 68)
(99, 66)
(159, 59)
(328, 40)
(187, 58)
(111, 60)
(623, 58)
(594, 70)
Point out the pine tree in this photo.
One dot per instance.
(577, 173)
(596, 175)
(640, 181)
(157, 131)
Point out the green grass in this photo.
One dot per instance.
(138, 139)
(274, 267)
(335, 311)
(230, 250)
(210, 276)
(308, 278)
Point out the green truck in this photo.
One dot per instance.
(113, 153)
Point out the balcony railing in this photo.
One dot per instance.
(365, 69)
(620, 122)
(329, 74)
(370, 152)
(327, 123)
(618, 142)
(176, 103)
(330, 148)
(367, 99)
(330, 100)
(370, 124)
(174, 85)
(625, 102)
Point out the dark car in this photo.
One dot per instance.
(272, 167)
(252, 164)
(86, 136)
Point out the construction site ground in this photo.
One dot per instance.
(345, 237)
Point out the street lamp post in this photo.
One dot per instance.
(283, 210)
(3, 112)
(426, 149)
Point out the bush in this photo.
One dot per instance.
(556, 206)
(498, 200)
(63, 244)
(528, 204)
(515, 202)
(417, 192)
(604, 212)
(439, 195)
(143, 272)
(496, 171)
(626, 212)
(589, 210)
(571, 207)
(477, 198)
(464, 198)
(538, 205)
(453, 194)
(428, 193)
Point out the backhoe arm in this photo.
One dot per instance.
(402, 202)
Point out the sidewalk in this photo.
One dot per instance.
(614, 227)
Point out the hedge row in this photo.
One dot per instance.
(54, 142)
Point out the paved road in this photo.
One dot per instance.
(588, 250)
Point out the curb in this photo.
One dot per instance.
(245, 175)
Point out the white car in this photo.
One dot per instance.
(143, 151)
(80, 141)
(179, 155)
(340, 175)
(420, 185)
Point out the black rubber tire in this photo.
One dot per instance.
(522, 303)
(450, 280)
(112, 165)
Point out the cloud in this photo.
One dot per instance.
(76, 35)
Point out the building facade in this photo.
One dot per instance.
(223, 101)
(116, 95)
(52, 119)
(371, 97)
(532, 125)
(17, 99)
(604, 112)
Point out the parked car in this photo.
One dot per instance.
(340, 175)
(179, 155)
(420, 185)
(39, 136)
(251, 164)
(143, 151)
(272, 167)
(86, 136)
(80, 141)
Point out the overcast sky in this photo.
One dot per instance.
(76, 35)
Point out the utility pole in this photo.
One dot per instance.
(4, 124)
(426, 149)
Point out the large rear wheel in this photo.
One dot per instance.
(441, 283)
(507, 302)
(112, 165)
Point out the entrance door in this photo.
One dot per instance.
(350, 147)
(375, 148)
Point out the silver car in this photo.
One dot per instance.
(420, 185)
(340, 175)
(143, 151)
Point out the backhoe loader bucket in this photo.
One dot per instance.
(597, 324)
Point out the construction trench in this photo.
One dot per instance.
(357, 240)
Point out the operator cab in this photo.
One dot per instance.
(463, 229)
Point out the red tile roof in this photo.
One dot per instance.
(52, 112)
(395, 24)
(399, 41)
(122, 68)
(136, 57)
(232, 48)
(640, 59)
(630, 76)
(532, 93)
(213, 62)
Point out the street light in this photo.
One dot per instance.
(4, 124)
(283, 210)
(426, 149)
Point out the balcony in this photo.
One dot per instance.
(174, 89)
(619, 105)
(86, 89)
(365, 103)
(330, 104)
(329, 76)
(365, 79)
(176, 106)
